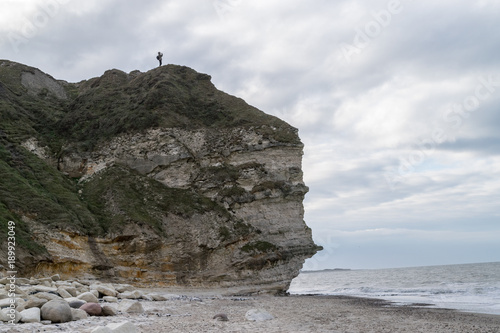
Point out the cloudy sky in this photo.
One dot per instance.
(397, 103)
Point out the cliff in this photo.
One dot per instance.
(155, 178)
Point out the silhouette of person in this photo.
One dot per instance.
(159, 57)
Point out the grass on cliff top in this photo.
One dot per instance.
(119, 196)
(115, 103)
(169, 96)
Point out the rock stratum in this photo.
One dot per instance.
(153, 178)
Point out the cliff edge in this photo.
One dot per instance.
(153, 178)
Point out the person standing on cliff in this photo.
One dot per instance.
(159, 57)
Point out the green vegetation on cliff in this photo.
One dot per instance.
(119, 196)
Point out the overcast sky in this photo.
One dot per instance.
(396, 101)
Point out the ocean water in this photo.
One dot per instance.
(468, 287)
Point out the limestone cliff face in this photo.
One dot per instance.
(214, 203)
(260, 241)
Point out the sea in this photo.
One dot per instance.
(467, 287)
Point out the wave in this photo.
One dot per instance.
(462, 287)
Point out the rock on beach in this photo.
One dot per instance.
(57, 311)
(5, 316)
(32, 315)
(130, 306)
(108, 310)
(123, 327)
(75, 303)
(258, 315)
(78, 314)
(92, 309)
(88, 297)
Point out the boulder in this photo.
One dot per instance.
(31, 315)
(221, 317)
(56, 277)
(93, 309)
(95, 293)
(18, 291)
(78, 314)
(108, 310)
(44, 289)
(21, 307)
(87, 282)
(57, 311)
(44, 281)
(110, 299)
(48, 296)
(71, 290)
(3, 317)
(121, 288)
(21, 281)
(63, 292)
(88, 297)
(130, 306)
(105, 290)
(11, 314)
(77, 285)
(5, 302)
(258, 315)
(34, 302)
(124, 327)
(76, 304)
(136, 294)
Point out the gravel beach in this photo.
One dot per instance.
(194, 311)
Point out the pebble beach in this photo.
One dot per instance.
(189, 310)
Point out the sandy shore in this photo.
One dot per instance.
(194, 312)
